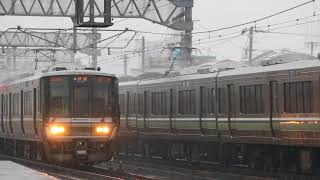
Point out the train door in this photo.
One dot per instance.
(274, 109)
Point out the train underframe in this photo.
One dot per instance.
(66, 152)
(267, 157)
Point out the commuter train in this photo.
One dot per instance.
(265, 117)
(60, 116)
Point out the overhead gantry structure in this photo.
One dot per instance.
(174, 14)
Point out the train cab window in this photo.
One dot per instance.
(187, 100)
(59, 96)
(298, 97)
(251, 99)
(159, 103)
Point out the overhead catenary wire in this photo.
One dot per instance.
(256, 20)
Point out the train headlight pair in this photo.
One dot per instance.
(102, 130)
(56, 130)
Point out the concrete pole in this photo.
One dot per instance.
(143, 55)
(94, 49)
(250, 43)
(125, 65)
(14, 55)
(312, 47)
(74, 46)
(8, 62)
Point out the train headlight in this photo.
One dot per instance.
(56, 129)
(103, 130)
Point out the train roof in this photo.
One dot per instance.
(39, 74)
(233, 72)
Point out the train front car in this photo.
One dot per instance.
(81, 116)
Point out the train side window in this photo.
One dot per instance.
(251, 99)
(298, 97)
(159, 103)
(187, 102)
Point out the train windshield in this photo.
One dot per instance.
(59, 94)
(82, 96)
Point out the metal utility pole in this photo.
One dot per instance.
(187, 37)
(143, 55)
(125, 65)
(250, 43)
(312, 45)
(94, 49)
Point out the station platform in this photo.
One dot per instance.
(13, 171)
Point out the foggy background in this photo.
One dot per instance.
(207, 15)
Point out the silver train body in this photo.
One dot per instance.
(60, 116)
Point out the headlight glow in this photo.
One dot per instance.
(56, 129)
(102, 129)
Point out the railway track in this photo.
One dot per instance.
(81, 172)
(235, 172)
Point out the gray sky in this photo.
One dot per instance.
(212, 14)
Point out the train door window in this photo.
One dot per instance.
(10, 113)
(242, 100)
(307, 97)
(172, 100)
(298, 97)
(140, 103)
(231, 105)
(21, 111)
(259, 98)
(203, 100)
(274, 96)
(293, 93)
(2, 112)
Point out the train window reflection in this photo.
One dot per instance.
(58, 97)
